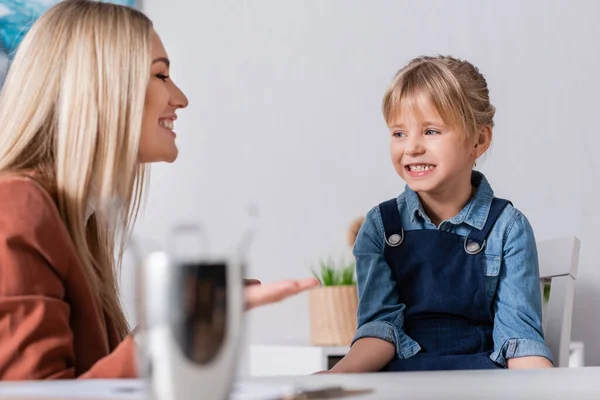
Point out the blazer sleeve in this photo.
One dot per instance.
(36, 340)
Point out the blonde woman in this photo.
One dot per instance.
(86, 105)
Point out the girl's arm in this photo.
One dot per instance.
(529, 363)
(380, 336)
(368, 354)
(518, 336)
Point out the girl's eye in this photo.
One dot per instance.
(431, 132)
(398, 134)
(162, 77)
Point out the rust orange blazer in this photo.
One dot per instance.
(50, 324)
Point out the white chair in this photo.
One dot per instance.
(558, 260)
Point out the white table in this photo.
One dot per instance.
(565, 383)
(294, 360)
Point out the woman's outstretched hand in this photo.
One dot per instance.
(258, 294)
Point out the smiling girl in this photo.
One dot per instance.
(447, 272)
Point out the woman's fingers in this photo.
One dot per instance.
(267, 293)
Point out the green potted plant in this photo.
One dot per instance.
(333, 306)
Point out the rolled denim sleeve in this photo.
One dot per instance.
(380, 315)
(518, 301)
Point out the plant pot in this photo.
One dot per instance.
(332, 315)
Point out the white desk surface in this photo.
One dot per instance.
(568, 383)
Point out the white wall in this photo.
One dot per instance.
(285, 113)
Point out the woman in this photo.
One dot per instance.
(86, 106)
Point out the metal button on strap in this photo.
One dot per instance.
(394, 239)
(473, 246)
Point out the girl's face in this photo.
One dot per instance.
(163, 99)
(430, 156)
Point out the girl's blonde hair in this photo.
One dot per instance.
(454, 87)
(71, 112)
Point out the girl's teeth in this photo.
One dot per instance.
(166, 123)
(419, 168)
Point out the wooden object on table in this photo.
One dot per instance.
(332, 315)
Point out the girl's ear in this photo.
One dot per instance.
(484, 139)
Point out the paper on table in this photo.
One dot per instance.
(124, 389)
(97, 388)
(260, 391)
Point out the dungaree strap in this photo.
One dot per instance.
(393, 225)
(496, 208)
(391, 220)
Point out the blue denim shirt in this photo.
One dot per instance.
(511, 269)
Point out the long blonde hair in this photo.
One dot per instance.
(71, 112)
(455, 87)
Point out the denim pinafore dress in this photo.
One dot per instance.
(440, 278)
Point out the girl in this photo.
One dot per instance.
(86, 105)
(447, 273)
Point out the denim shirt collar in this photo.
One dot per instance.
(476, 211)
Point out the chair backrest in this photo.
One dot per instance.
(558, 260)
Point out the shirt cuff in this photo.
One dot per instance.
(405, 346)
(514, 348)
